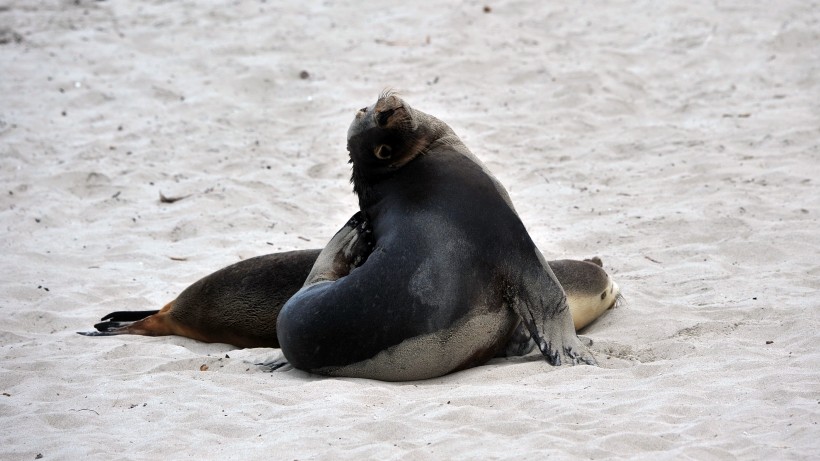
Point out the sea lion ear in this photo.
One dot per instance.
(383, 117)
(383, 151)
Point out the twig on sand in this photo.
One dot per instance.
(85, 409)
(164, 199)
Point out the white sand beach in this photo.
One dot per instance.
(679, 141)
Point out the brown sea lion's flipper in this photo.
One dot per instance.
(127, 316)
(347, 250)
(147, 323)
(114, 322)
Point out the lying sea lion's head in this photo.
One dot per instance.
(386, 136)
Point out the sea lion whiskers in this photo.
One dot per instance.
(387, 92)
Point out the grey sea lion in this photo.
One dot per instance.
(452, 270)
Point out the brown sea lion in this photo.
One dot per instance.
(239, 304)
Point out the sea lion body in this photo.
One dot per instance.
(451, 274)
(239, 304)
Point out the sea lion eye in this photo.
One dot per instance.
(384, 116)
(383, 151)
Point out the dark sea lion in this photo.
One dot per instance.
(239, 304)
(451, 274)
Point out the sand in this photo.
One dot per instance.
(679, 141)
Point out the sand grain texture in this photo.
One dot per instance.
(680, 141)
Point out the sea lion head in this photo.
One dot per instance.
(387, 136)
(384, 135)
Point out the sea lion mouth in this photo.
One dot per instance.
(360, 114)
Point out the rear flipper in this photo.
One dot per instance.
(127, 316)
(102, 333)
(109, 329)
(118, 323)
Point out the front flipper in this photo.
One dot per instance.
(542, 305)
(556, 338)
(347, 250)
